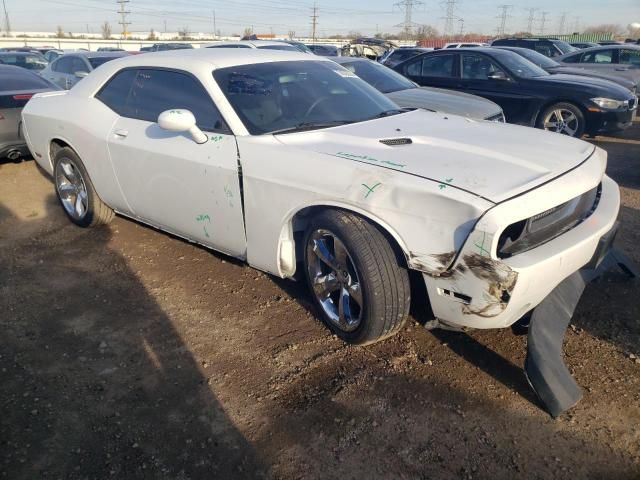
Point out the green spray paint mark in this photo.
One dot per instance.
(446, 182)
(216, 138)
(481, 246)
(370, 189)
(204, 218)
(368, 159)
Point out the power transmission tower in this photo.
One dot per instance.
(461, 22)
(532, 15)
(543, 21)
(314, 22)
(407, 6)
(561, 24)
(123, 18)
(576, 24)
(503, 18)
(7, 23)
(449, 17)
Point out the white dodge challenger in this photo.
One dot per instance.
(290, 162)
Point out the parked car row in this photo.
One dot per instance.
(296, 163)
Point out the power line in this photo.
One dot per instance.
(7, 23)
(562, 23)
(543, 21)
(123, 17)
(532, 14)
(503, 18)
(314, 22)
(449, 17)
(407, 6)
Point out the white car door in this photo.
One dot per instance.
(169, 180)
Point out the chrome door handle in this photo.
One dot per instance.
(121, 133)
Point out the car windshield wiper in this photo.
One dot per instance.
(388, 113)
(305, 126)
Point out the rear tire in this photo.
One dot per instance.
(358, 286)
(75, 191)
(564, 118)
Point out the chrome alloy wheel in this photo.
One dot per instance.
(71, 189)
(334, 280)
(562, 120)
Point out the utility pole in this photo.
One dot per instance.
(165, 26)
(407, 6)
(123, 17)
(503, 18)
(532, 14)
(214, 25)
(461, 21)
(561, 24)
(449, 17)
(543, 22)
(7, 23)
(314, 22)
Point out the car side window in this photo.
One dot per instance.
(630, 57)
(155, 91)
(599, 56)
(432, 66)
(78, 65)
(63, 65)
(478, 67)
(545, 49)
(116, 92)
(573, 58)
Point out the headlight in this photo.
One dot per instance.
(496, 118)
(609, 104)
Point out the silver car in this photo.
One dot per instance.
(68, 69)
(618, 60)
(407, 94)
(17, 86)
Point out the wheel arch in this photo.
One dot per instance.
(290, 246)
(55, 145)
(547, 104)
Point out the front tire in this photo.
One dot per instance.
(359, 288)
(76, 193)
(564, 118)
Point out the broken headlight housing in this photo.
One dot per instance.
(532, 232)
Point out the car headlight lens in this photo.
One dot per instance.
(609, 103)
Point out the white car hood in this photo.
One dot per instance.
(491, 160)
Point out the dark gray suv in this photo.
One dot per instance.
(549, 47)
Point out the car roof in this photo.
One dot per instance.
(342, 60)
(254, 43)
(20, 54)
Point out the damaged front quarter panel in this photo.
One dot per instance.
(500, 281)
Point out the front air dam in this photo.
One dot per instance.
(544, 366)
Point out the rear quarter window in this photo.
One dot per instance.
(116, 92)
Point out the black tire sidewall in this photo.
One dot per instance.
(582, 123)
(330, 223)
(72, 157)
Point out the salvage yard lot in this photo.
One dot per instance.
(127, 353)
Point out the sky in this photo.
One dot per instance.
(335, 16)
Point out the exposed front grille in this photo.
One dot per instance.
(392, 142)
(545, 226)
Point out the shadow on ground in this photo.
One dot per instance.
(96, 381)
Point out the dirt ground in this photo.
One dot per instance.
(127, 353)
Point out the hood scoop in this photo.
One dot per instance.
(394, 142)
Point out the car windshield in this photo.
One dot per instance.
(520, 66)
(28, 61)
(539, 59)
(378, 76)
(97, 61)
(296, 95)
(565, 47)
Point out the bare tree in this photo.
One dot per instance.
(612, 28)
(60, 32)
(152, 35)
(248, 32)
(105, 28)
(184, 32)
(292, 34)
(426, 31)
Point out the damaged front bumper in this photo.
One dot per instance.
(480, 290)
